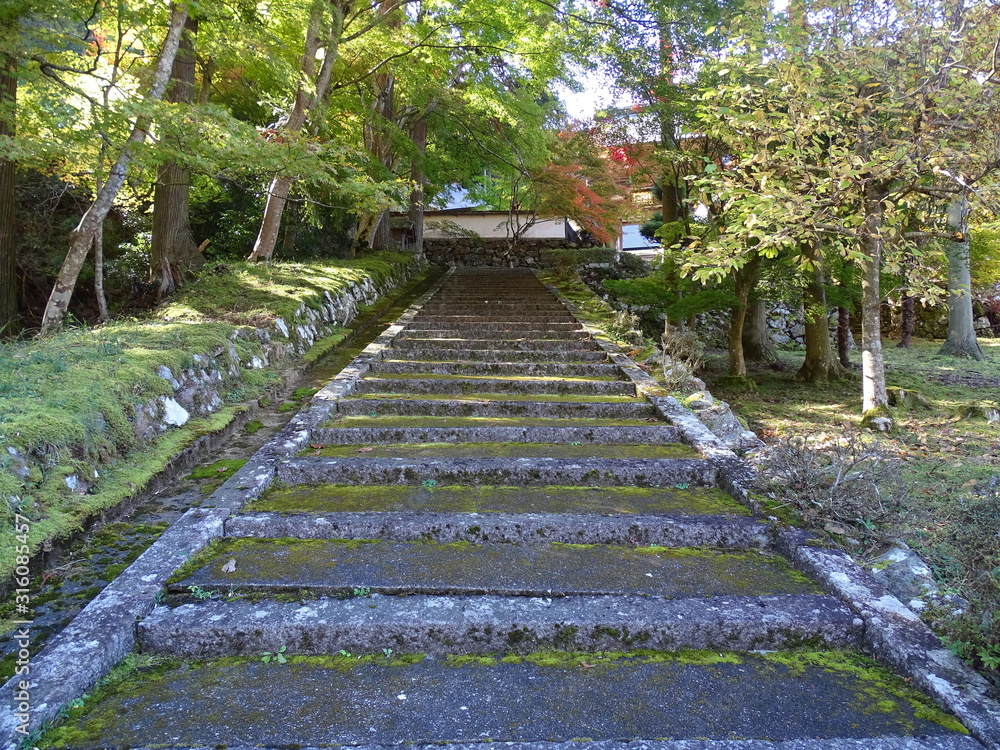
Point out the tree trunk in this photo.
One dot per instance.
(382, 236)
(81, 239)
(745, 279)
(174, 253)
(820, 366)
(419, 136)
(873, 391)
(102, 300)
(756, 341)
(8, 170)
(961, 339)
(309, 94)
(843, 336)
(908, 319)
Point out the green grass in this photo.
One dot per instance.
(67, 401)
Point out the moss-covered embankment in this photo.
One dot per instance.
(89, 416)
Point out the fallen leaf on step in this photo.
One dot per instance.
(835, 528)
(586, 666)
(317, 446)
(222, 469)
(365, 450)
(229, 567)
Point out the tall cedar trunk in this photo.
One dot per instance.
(378, 141)
(756, 341)
(843, 336)
(8, 253)
(174, 254)
(308, 95)
(745, 279)
(81, 239)
(418, 134)
(908, 319)
(820, 365)
(961, 339)
(873, 391)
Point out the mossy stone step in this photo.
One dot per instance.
(504, 450)
(542, 699)
(488, 499)
(529, 472)
(647, 435)
(497, 406)
(395, 366)
(532, 319)
(490, 355)
(339, 567)
(404, 343)
(495, 333)
(553, 326)
(493, 625)
(469, 384)
(417, 421)
(717, 532)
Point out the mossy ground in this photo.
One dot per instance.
(489, 499)
(69, 397)
(949, 463)
(503, 450)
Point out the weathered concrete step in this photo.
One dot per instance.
(492, 499)
(525, 369)
(649, 435)
(495, 407)
(569, 451)
(528, 319)
(471, 384)
(340, 567)
(520, 345)
(440, 626)
(504, 471)
(717, 532)
(455, 306)
(495, 333)
(387, 701)
(489, 355)
(418, 324)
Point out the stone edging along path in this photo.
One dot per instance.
(105, 631)
(893, 632)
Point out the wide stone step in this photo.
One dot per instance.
(458, 386)
(523, 369)
(649, 435)
(497, 499)
(518, 344)
(503, 471)
(441, 626)
(381, 701)
(496, 333)
(341, 567)
(528, 320)
(490, 355)
(452, 306)
(718, 532)
(495, 407)
(570, 451)
(566, 326)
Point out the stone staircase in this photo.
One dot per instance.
(485, 530)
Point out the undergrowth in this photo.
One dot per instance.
(68, 401)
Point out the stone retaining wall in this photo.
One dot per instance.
(201, 389)
(464, 251)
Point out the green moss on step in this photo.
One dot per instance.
(493, 499)
(223, 469)
(504, 450)
(390, 420)
(486, 397)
